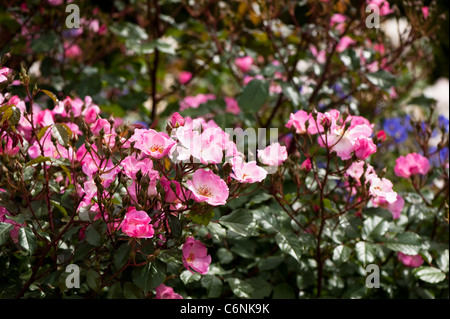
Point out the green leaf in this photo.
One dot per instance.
(51, 95)
(175, 226)
(381, 78)
(240, 288)
(289, 244)
(240, 221)
(442, 260)
(62, 133)
(5, 229)
(188, 277)
(212, 284)
(149, 276)
(408, 243)
(45, 43)
(374, 227)
(341, 254)
(115, 291)
(121, 256)
(429, 274)
(365, 252)
(283, 291)
(202, 219)
(37, 160)
(131, 291)
(225, 256)
(254, 95)
(93, 280)
(27, 239)
(216, 231)
(261, 288)
(270, 262)
(92, 236)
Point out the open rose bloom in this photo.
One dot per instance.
(195, 256)
(208, 187)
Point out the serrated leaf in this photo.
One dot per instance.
(149, 276)
(289, 244)
(429, 274)
(240, 221)
(240, 288)
(341, 254)
(61, 133)
(27, 239)
(408, 243)
(5, 229)
(374, 227)
(212, 284)
(188, 277)
(365, 252)
(443, 260)
(216, 231)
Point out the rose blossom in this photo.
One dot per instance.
(411, 164)
(413, 261)
(137, 224)
(195, 256)
(165, 292)
(184, 77)
(273, 155)
(208, 187)
(244, 63)
(247, 172)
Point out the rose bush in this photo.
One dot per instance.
(128, 156)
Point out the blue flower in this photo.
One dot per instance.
(438, 157)
(395, 127)
(443, 122)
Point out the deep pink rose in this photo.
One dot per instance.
(137, 224)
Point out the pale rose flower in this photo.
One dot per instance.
(395, 208)
(208, 187)
(176, 120)
(381, 189)
(273, 155)
(131, 165)
(195, 256)
(298, 121)
(247, 172)
(150, 142)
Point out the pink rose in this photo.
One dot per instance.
(195, 256)
(244, 63)
(413, 261)
(411, 164)
(232, 106)
(165, 292)
(247, 172)
(184, 77)
(208, 187)
(344, 43)
(364, 147)
(137, 224)
(176, 120)
(306, 165)
(152, 143)
(273, 155)
(425, 11)
(3, 73)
